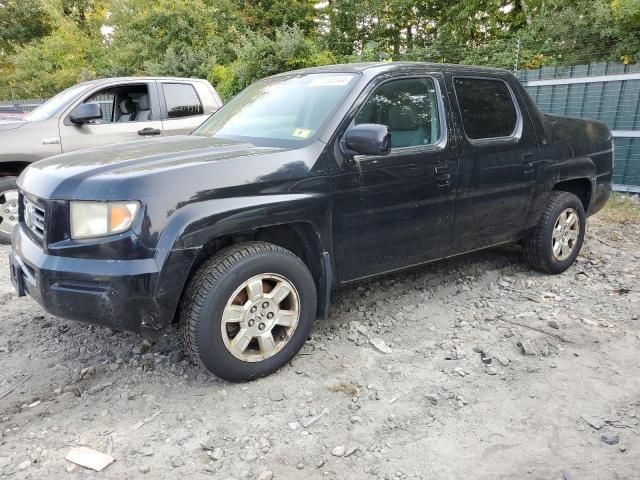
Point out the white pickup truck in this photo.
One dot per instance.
(93, 113)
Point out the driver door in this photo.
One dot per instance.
(394, 211)
(129, 112)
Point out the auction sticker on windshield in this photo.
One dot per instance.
(332, 81)
(301, 132)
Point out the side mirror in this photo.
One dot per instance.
(367, 139)
(85, 113)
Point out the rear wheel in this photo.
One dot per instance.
(555, 243)
(248, 310)
(8, 207)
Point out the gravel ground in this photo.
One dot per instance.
(474, 367)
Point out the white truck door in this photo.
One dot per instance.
(130, 111)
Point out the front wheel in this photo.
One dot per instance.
(555, 243)
(8, 207)
(248, 310)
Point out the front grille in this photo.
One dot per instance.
(34, 217)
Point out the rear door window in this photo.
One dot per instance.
(486, 107)
(182, 100)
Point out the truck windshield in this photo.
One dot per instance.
(280, 111)
(55, 104)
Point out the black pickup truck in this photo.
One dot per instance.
(304, 181)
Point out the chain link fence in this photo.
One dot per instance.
(27, 105)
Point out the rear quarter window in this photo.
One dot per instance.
(486, 107)
(182, 100)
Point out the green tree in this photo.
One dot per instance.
(258, 56)
(266, 16)
(22, 21)
(46, 45)
(170, 37)
(626, 14)
(441, 30)
(66, 48)
(583, 31)
(47, 65)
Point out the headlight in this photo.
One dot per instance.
(98, 219)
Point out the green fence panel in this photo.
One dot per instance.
(575, 99)
(610, 104)
(615, 102)
(629, 111)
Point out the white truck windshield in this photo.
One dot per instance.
(55, 104)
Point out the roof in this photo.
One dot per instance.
(99, 81)
(387, 66)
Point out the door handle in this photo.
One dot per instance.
(149, 131)
(527, 162)
(443, 177)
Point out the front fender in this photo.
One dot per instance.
(194, 225)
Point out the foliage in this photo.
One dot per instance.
(46, 45)
(52, 63)
(67, 49)
(265, 16)
(172, 37)
(486, 32)
(581, 32)
(259, 56)
(21, 21)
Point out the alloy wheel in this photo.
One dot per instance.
(565, 234)
(260, 317)
(8, 211)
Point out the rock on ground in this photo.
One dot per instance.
(420, 401)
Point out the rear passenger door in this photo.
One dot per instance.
(182, 108)
(498, 152)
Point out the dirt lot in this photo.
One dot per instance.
(487, 370)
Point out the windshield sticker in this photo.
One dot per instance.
(301, 132)
(332, 81)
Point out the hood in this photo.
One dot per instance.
(140, 156)
(11, 123)
(102, 170)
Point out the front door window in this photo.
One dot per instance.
(123, 104)
(408, 107)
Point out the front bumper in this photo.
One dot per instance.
(113, 293)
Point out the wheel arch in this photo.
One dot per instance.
(580, 187)
(297, 222)
(12, 168)
(301, 238)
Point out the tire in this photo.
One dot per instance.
(538, 247)
(220, 281)
(9, 186)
